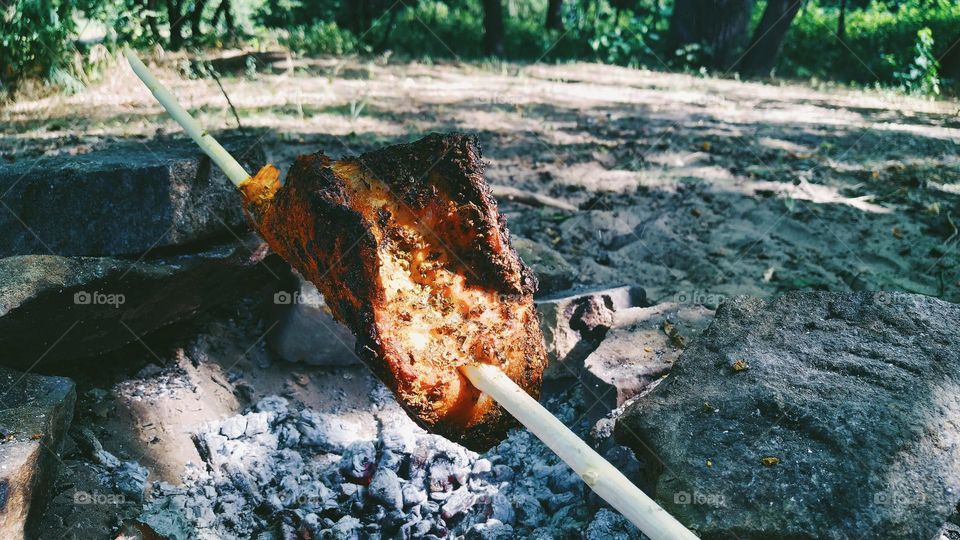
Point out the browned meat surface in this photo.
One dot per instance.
(409, 250)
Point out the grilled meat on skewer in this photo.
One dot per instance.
(408, 248)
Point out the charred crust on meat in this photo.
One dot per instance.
(408, 248)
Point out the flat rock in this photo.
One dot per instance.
(813, 415)
(35, 413)
(128, 199)
(306, 330)
(553, 272)
(58, 308)
(574, 323)
(643, 344)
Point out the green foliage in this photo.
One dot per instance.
(321, 38)
(35, 40)
(880, 41)
(433, 29)
(886, 42)
(294, 13)
(126, 20)
(921, 77)
(627, 40)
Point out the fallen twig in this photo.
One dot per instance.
(530, 198)
(213, 73)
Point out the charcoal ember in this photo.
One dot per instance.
(234, 427)
(258, 423)
(358, 462)
(443, 476)
(330, 433)
(430, 507)
(518, 488)
(272, 404)
(624, 460)
(609, 525)
(401, 441)
(561, 500)
(563, 479)
(501, 509)
(347, 528)
(385, 488)
(412, 495)
(390, 460)
(528, 510)
(502, 473)
(481, 466)
(416, 529)
(458, 502)
(490, 530)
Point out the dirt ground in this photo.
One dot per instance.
(693, 188)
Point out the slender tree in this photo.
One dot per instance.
(493, 27)
(151, 19)
(177, 19)
(761, 55)
(950, 60)
(842, 21)
(554, 15)
(196, 17)
(224, 10)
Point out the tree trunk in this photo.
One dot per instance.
(151, 19)
(493, 27)
(176, 19)
(842, 21)
(950, 61)
(196, 17)
(554, 15)
(223, 9)
(761, 54)
(382, 46)
(718, 25)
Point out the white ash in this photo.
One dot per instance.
(278, 473)
(128, 478)
(154, 382)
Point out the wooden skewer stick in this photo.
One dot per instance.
(608, 482)
(230, 166)
(602, 477)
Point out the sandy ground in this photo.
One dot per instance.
(695, 189)
(691, 187)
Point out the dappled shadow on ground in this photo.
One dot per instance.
(683, 185)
